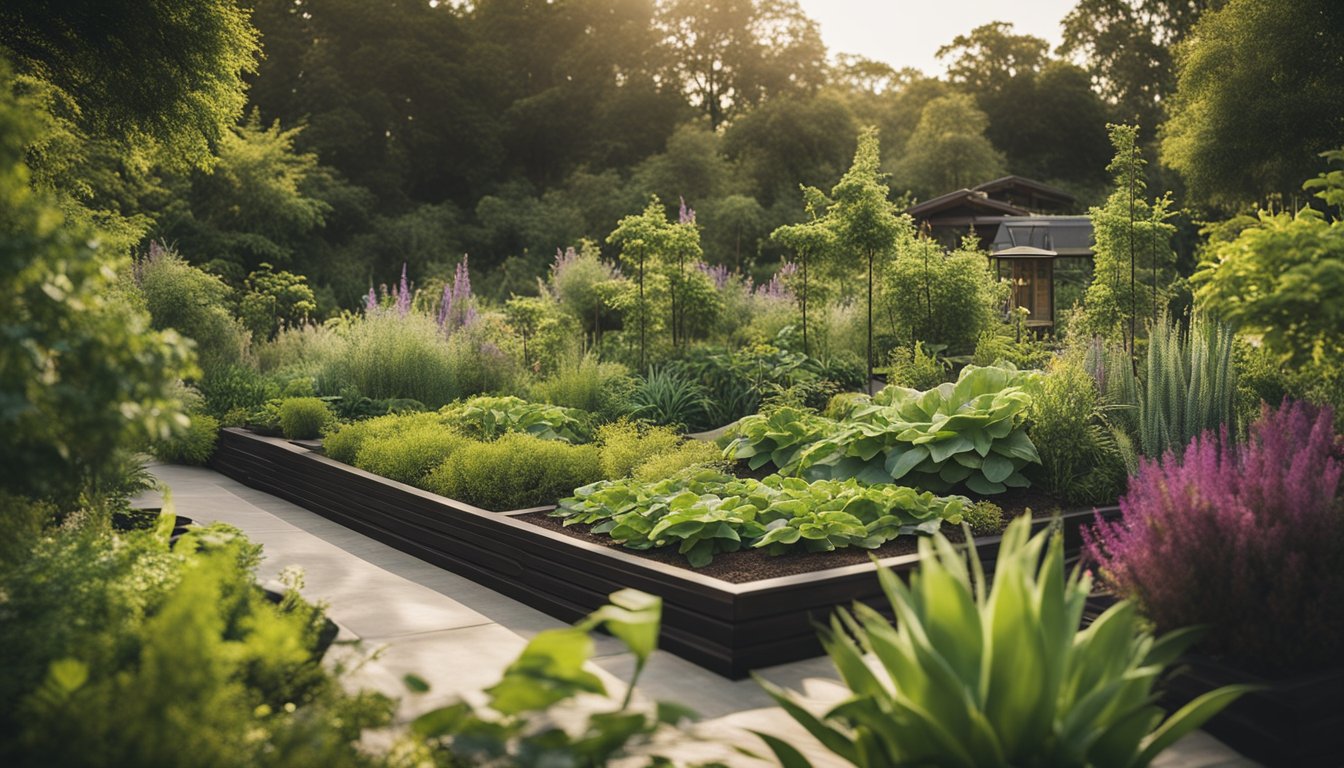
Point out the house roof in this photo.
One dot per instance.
(1023, 191)
(963, 204)
(1064, 235)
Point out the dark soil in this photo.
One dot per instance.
(749, 564)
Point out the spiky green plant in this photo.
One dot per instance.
(981, 679)
(1188, 384)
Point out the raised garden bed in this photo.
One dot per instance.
(1295, 722)
(729, 628)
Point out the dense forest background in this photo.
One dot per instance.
(378, 134)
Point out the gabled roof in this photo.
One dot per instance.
(964, 198)
(1064, 235)
(1011, 186)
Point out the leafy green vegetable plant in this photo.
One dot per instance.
(969, 433)
(488, 417)
(976, 678)
(706, 512)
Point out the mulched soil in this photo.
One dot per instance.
(752, 564)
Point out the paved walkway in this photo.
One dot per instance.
(411, 616)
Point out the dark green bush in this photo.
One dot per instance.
(235, 387)
(121, 651)
(193, 447)
(669, 397)
(303, 418)
(407, 455)
(515, 472)
(1081, 462)
(194, 303)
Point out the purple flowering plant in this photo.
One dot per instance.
(1246, 539)
(457, 309)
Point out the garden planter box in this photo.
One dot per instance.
(1295, 722)
(725, 627)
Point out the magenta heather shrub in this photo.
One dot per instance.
(1248, 539)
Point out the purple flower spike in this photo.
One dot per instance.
(687, 214)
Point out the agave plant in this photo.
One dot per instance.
(976, 679)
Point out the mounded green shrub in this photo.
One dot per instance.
(692, 453)
(626, 444)
(193, 447)
(303, 418)
(343, 442)
(408, 454)
(515, 472)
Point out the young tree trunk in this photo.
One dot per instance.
(803, 257)
(868, 383)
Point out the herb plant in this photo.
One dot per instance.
(978, 677)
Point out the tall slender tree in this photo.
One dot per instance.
(866, 223)
(812, 241)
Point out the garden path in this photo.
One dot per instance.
(410, 616)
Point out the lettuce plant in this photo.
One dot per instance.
(999, 677)
(488, 417)
(707, 512)
(971, 433)
(1246, 538)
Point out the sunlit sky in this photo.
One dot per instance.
(907, 33)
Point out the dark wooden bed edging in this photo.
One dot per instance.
(728, 628)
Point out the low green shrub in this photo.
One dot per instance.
(985, 518)
(487, 418)
(515, 472)
(710, 512)
(915, 368)
(698, 454)
(969, 676)
(343, 442)
(408, 454)
(303, 418)
(193, 447)
(386, 355)
(235, 387)
(668, 397)
(1081, 462)
(626, 444)
(585, 383)
(842, 405)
